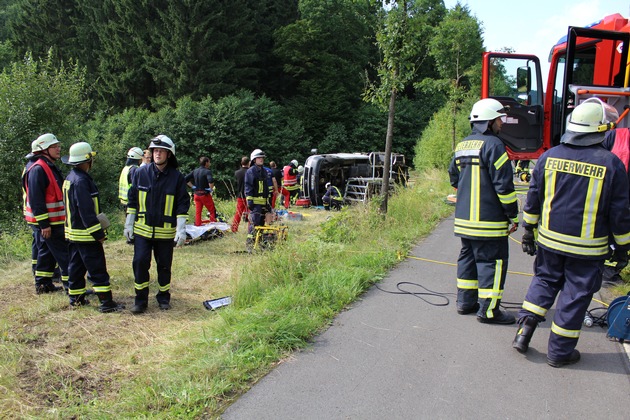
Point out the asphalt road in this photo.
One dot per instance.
(397, 357)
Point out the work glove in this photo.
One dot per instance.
(620, 257)
(514, 226)
(128, 230)
(528, 242)
(250, 205)
(180, 233)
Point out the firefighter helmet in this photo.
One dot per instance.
(80, 152)
(162, 142)
(300, 169)
(294, 163)
(327, 185)
(592, 116)
(588, 122)
(256, 154)
(487, 110)
(43, 142)
(135, 153)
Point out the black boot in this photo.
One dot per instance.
(527, 326)
(78, 300)
(46, 288)
(107, 303)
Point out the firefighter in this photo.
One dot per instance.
(241, 202)
(202, 184)
(256, 193)
(332, 197)
(486, 212)
(84, 232)
(290, 187)
(156, 215)
(56, 278)
(577, 202)
(134, 157)
(44, 212)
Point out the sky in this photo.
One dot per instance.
(534, 26)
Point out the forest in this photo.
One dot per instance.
(222, 78)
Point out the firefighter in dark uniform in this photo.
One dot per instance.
(84, 232)
(332, 197)
(577, 202)
(44, 212)
(202, 184)
(156, 215)
(257, 194)
(485, 214)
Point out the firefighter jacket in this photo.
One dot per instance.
(483, 176)
(124, 182)
(578, 199)
(334, 193)
(290, 178)
(42, 182)
(80, 196)
(201, 178)
(257, 185)
(157, 199)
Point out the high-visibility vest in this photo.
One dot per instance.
(56, 214)
(123, 183)
(290, 178)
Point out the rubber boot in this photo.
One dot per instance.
(107, 303)
(527, 326)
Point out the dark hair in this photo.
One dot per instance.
(272, 164)
(244, 161)
(203, 160)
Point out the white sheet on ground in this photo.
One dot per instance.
(197, 231)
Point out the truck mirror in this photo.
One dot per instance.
(524, 80)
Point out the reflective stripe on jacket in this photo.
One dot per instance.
(51, 210)
(80, 196)
(157, 199)
(578, 199)
(483, 176)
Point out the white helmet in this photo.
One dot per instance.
(300, 169)
(162, 142)
(135, 153)
(592, 116)
(487, 110)
(256, 154)
(80, 152)
(294, 163)
(43, 142)
(327, 185)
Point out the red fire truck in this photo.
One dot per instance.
(589, 61)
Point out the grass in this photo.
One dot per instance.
(189, 362)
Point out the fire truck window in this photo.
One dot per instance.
(504, 80)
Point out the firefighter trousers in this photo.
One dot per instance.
(163, 252)
(87, 258)
(481, 270)
(50, 252)
(573, 281)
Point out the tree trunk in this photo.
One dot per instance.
(389, 139)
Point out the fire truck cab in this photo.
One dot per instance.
(587, 62)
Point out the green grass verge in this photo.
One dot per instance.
(189, 363)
